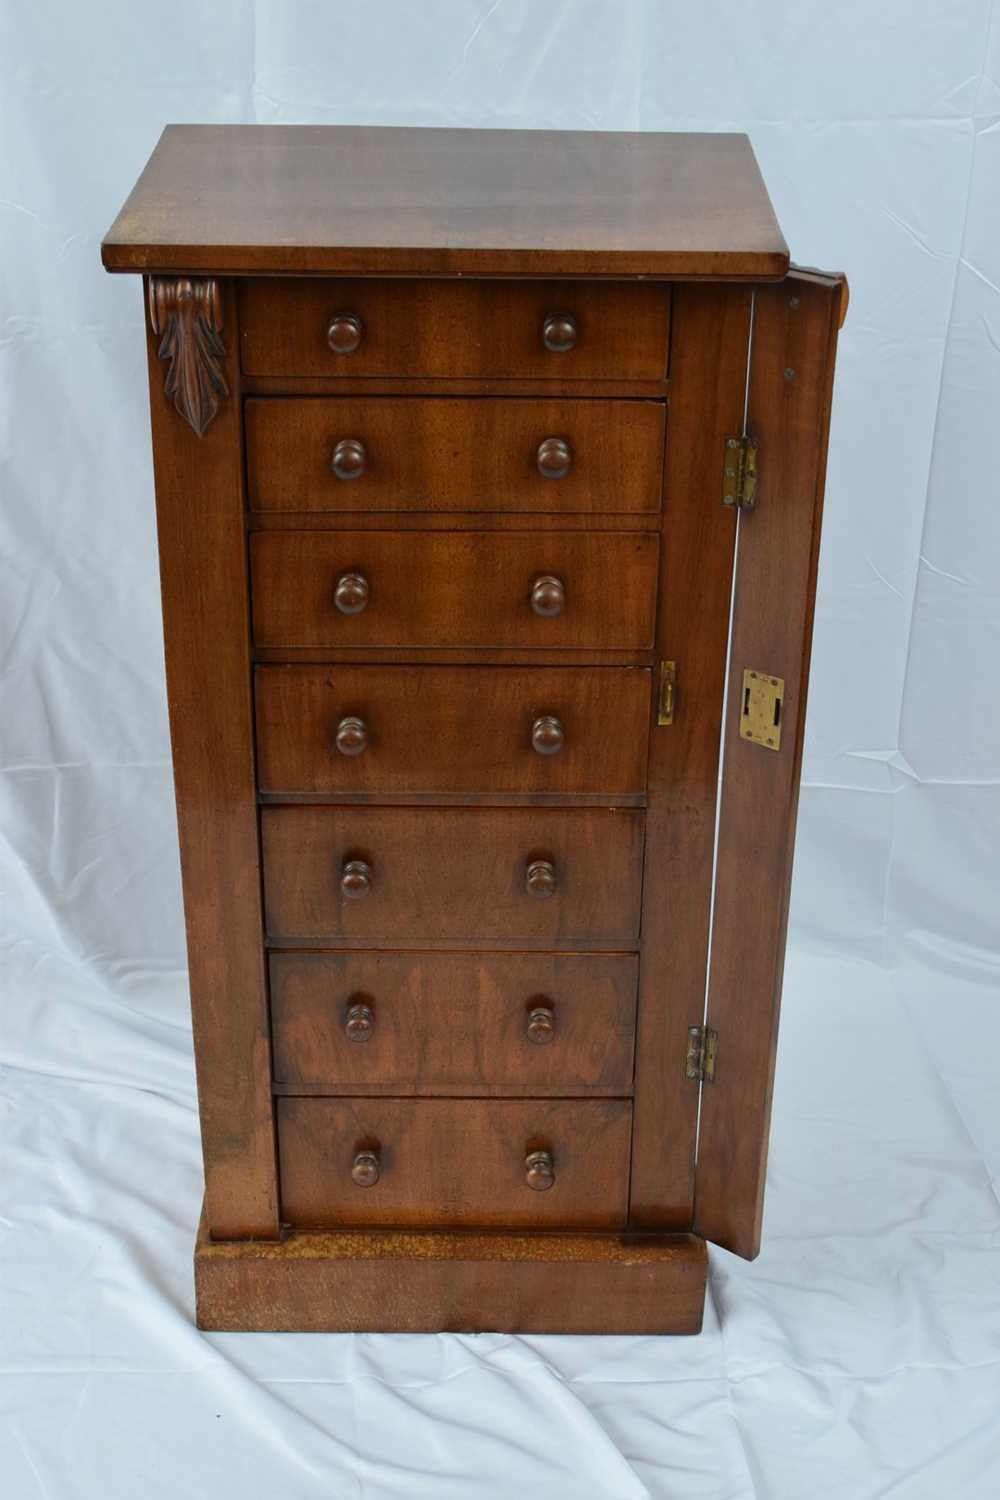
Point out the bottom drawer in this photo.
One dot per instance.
(524, 1164)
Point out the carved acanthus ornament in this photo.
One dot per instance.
(187, 314)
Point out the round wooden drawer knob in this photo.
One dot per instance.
(539, 1170)
(559, 332)
(359, 1022)
(350, 459)
(548, 596)
(547, 737)
(554, 458)
(356, 879)
(540, 879)
(541, 1026)
(345, 333)
(364, 1169)
(352, 593)
(352, 736)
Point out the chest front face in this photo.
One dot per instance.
(488, 530)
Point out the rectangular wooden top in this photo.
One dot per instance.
(344, 199)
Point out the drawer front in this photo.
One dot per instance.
(386, 875)
(464, 329)
(529, 1024)
(374, 732)
(454, 1162)
(381, 453)
(464, 589)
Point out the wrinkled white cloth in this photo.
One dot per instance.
(859, 1357)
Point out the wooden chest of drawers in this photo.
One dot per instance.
(455, 433)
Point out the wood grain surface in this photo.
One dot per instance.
(711, 331)
(454, 1162)
(454, 1022)
(444, 454)
(469, 589)
(463, 1281)
(295, 200)
(456, 329)
(203, 577)
(452, 731)
(791, 383)
(451, 875)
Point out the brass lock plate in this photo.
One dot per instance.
(761, 709)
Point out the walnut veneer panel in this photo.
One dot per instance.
(384, 453)
(302, 199)
(454, 1162)
(464, 1023)
(456, 329)
(471, 589)
(460, 875)
(373, 732)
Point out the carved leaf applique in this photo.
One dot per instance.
(187, 314)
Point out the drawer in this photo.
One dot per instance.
(387, 875)
(519, 1023)
(460, 589)
(517, 1163)
(464, 329)
(381, 453)
(374, 732)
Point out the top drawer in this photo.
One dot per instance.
(477, 330)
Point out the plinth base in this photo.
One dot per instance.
(435, 1281)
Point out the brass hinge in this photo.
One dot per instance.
(668, 692)
(739, 477)
(701, 1046)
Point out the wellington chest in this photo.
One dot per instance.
(489, 469)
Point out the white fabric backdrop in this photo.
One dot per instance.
(859, 1355)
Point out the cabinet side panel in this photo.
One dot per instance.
(708, 384)
(203, 577)
(791, 379)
